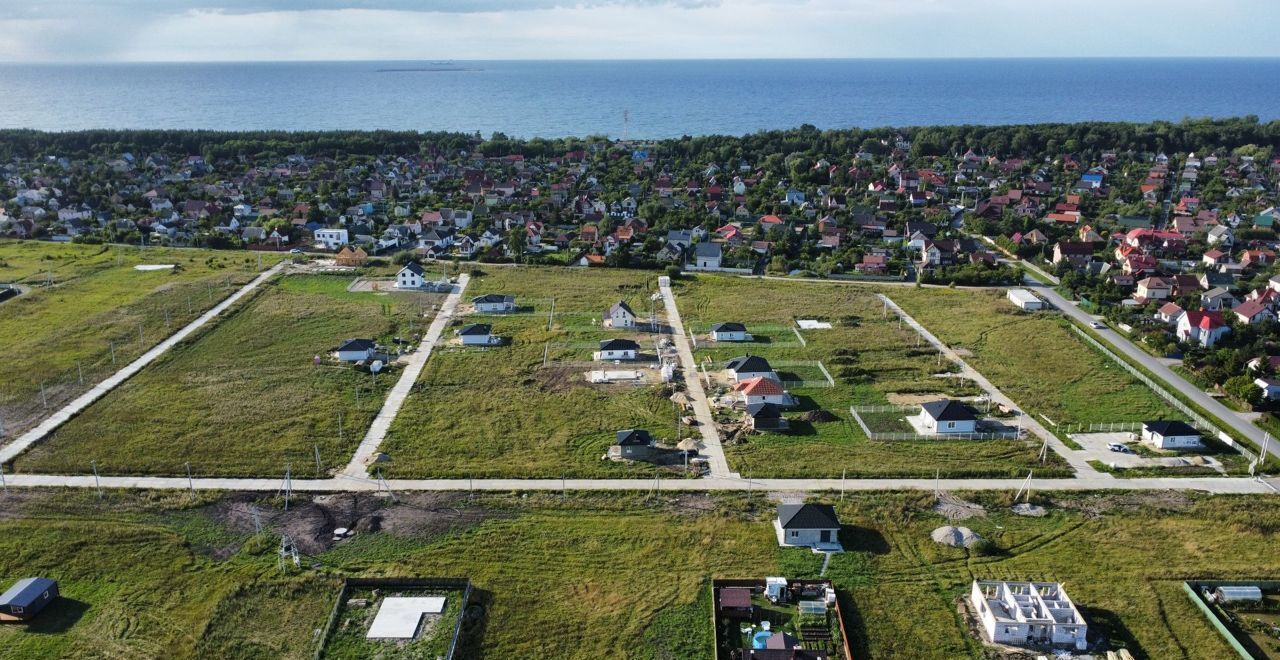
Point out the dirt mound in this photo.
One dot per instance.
(819, 416)
(1026, 509)
(555, 379)
(954, 508)
(1093, 506)
(956, 537)
(310, 523)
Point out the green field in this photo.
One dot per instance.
(498, 412)
(1033, 358)
(97, 301)
(873, 361)
(242, 397)
(608, 574)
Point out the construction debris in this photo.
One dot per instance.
(954, 508)
(1027, 509)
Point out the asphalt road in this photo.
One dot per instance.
(1161, 372)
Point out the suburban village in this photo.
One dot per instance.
(796, 395)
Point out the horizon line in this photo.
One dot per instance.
(874, 58)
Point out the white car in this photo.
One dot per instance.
(1119, 448)
(1097, 325)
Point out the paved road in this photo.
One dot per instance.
(1078, 463)
(1161, 372)
(13, 449)
(711, 446)
(358, 467)
(344, 483)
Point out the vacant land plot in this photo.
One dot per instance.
(244, 397)
(1032, 357)
(83, 303)
(872, 361)
(499, 412)
(609, 574)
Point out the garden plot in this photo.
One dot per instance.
(87, 310)
(530, 408)
(870, 359)
(249, 396)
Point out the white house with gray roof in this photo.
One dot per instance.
(1028, 614)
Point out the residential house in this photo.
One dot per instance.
(746, 367)
(946, 416)
(1254, 311)
(355, 350)
(350, 258)
(620, 316)
(1221, 235)
(494, 303)
(1270, 388)
(632, 444)
(763, 390)
(808, 526)
(766, 417)
(478, 334)
(1154, 288)
(1170, 435)
(1075, 253)
(617, 349)
(1028, 614)
(1204, 328)
(707, 255)
(1169, 313)
(411, 276)
(330, 239)
(1216, 299)
(729, 332)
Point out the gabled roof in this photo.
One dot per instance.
(620, 305)
(748, 364)
(808, 516)
(493, 298)
(1170, 428)
(26, 591)
(357, 345)
(413, 267)
(474, 329)
(634, 437)
(707, 249)
(729, 327)
(619, 345)
(947, 410)
(760, 386)
(764, 411)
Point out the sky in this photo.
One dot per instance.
(270, 30)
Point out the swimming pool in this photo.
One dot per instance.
(758, 640)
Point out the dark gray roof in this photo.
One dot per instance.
(1170, 428)
(947, 410)
(764, 411)
(27, 591)
(707, 249)
(619, 345)
(808, 516)
(474, 329)
(748, 364)
(357, 345)
(639, 437)
(729, 327)
(493, 298)
(621, 304)
(414, 268)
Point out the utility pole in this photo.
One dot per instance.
(113, 351)
(44, 400)
(319, 467)
(190, 483)
(80, 371)
(96, 482)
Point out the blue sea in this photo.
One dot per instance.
(659, 98)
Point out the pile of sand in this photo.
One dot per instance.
(956, 537)
(954, 508)
(1026, 509)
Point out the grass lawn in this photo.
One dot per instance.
(243, 398)
(1032, 357)
(97, 301)
(610, 574)
(497, 412)
(874, 362)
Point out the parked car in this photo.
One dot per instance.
(295, 251)
(1117, 447)
(1098, 325)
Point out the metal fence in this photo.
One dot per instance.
(1174, 401)
(1103, 427)
(904, 435)
(827, 382)
(444, 584)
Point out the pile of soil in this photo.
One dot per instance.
(1026, 509)
(954, 508)
(956, 537)
(819, 416)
